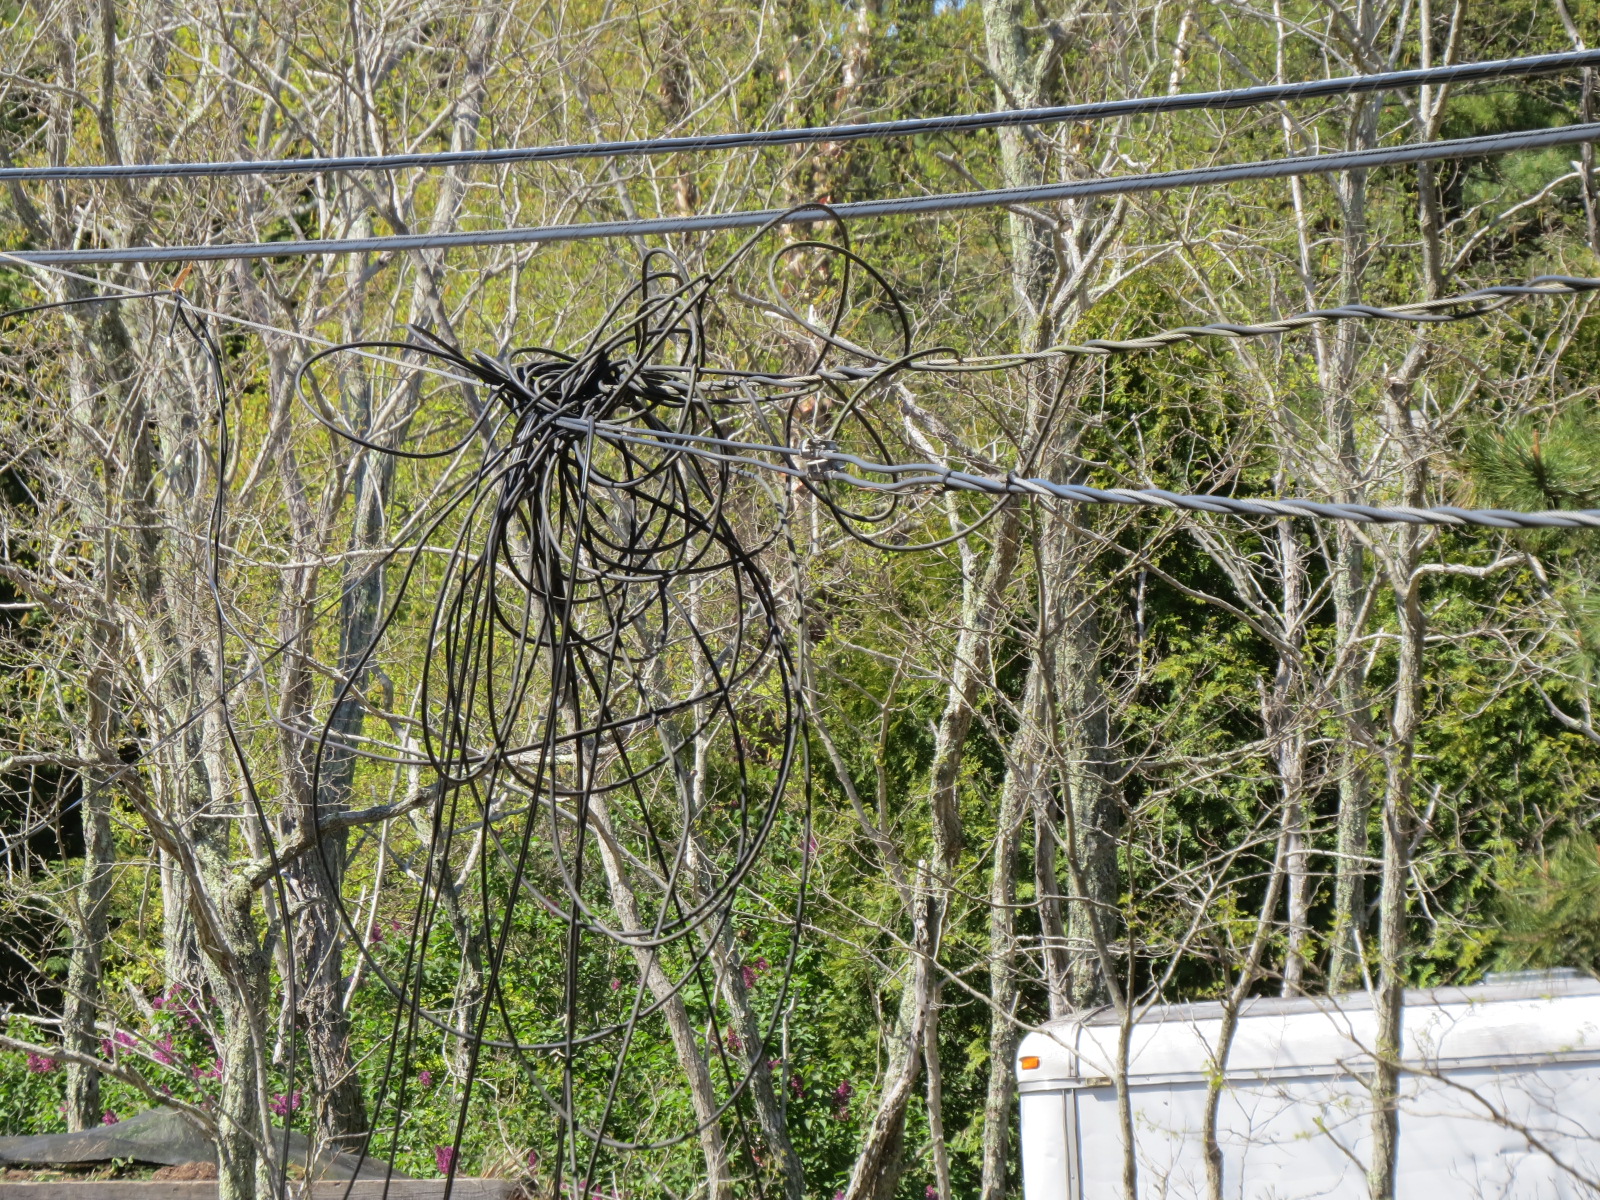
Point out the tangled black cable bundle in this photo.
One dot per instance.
(608, 649)
(607, 683)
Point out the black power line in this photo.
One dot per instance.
(1115, 185)
(1273, 93)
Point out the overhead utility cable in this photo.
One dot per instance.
(1115, 185)
(1274, 93)
(820, 465)
(1463, 306)
(1469, 305)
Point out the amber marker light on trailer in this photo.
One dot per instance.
(1030, 1062)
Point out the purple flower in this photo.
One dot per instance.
(110, 1118)
(616, 985)
(796, 1086)
(533, 1160)
(733, 1043)
(444, 1157)
(173, 1001)
(841, 1100)
(40, 1064)
(425, 1078)
(375, 935)
(282, 1105)
(932, 1193)
(164, 1052)
(839, 1195)
(749, 974)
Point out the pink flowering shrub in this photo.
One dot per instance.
(841, 1099)
(282, 1105)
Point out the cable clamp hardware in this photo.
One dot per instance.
(815, 456)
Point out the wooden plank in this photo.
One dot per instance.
(112, 1189)
(362, 1189)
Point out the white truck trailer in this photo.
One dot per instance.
(1500, 1097)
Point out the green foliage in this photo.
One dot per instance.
(1553, 918)
(31, 1089)
(1539, 465)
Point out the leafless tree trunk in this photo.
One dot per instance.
(317, 879)
(876, 1173)
(1286, 727)
(1591, 201)
(107, 429)
(1249, 972)
(1081, 708)
(1399, 817)
(691, 1060)
(81, 1000)
(1023, 791)
(941, 1149)
(1062, 684)
(100, 370)
(1349, 589)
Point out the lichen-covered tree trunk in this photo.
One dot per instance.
(1286, 729)
(317, 879)
(237, 967)
(88, 908)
